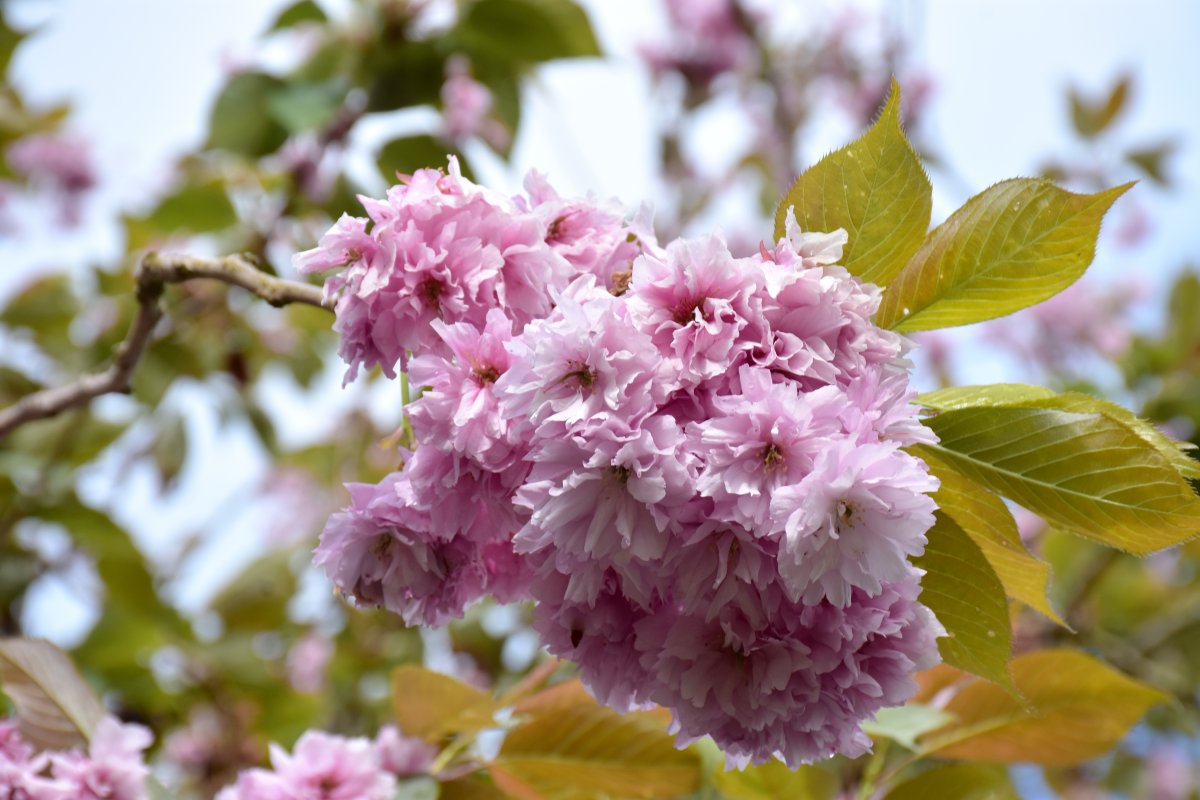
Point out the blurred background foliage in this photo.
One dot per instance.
(271, 653)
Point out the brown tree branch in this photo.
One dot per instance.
(153, 274)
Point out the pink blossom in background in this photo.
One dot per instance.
(307, 662)
(707, 39)
(1171, 774)
(113, 768)
(321, 765)
(1135, 225)
(21, 773)
(296, 499)
(467, 106)
(1029, 525)
(403, 756)
(692, 463)
(59, 164)
(1060, 334)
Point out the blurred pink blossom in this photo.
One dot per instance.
(1029, 524)
(1082, 321)
(707, 40)
(59, 164)
(307, 662)
(1171, 775)
(467, 106)
(401, 755)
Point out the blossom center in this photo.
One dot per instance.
(486, 374)
(555, 233)
(620, 473)
(581, 372)
(685, 310)
(382, 546)
(846, 514)
(772, 457)
(431, 290)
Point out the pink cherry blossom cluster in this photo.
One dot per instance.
(113, 767)
(332, 767)
(707, 39)
(692, 462)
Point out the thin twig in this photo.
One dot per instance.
(154, 273)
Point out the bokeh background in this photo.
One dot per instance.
(133, 124)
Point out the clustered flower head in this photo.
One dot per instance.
(331, 767)
(692, 463)
(112, 768)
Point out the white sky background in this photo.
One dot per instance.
(141, 75)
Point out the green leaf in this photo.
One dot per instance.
(526, 31)
(1085, 472)
(989, 523)
(46, 307)
(1172, 451)
(875, 189)
(9, 39)
(1150, 161)
(958, 781)
(432, 705)
(197, 207)
(239, 121)
(1011, 246)
(56, 708)
(1025, 396)
(303, 107)
(1080, 709)
(411, 153)
(582, 749)
(471, 787)
(993, 394)
(297, 13)
(962, 590)
(403, 74)
(774, 780)
(905, 724)
(257, 599)
(1093, 118)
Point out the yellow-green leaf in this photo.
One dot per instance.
(904, 724)
(1079, 709)
(1020, 394)
(957, 781)
(56, 708)
(992, 394)
(989, 523)
(1174, 452)
(774, 780)
(432, 705)
(1013, 245)
(1085, 472)
(1092, 117)
(876, 189)
(961, 588)
(585, 750)
(475, 786)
